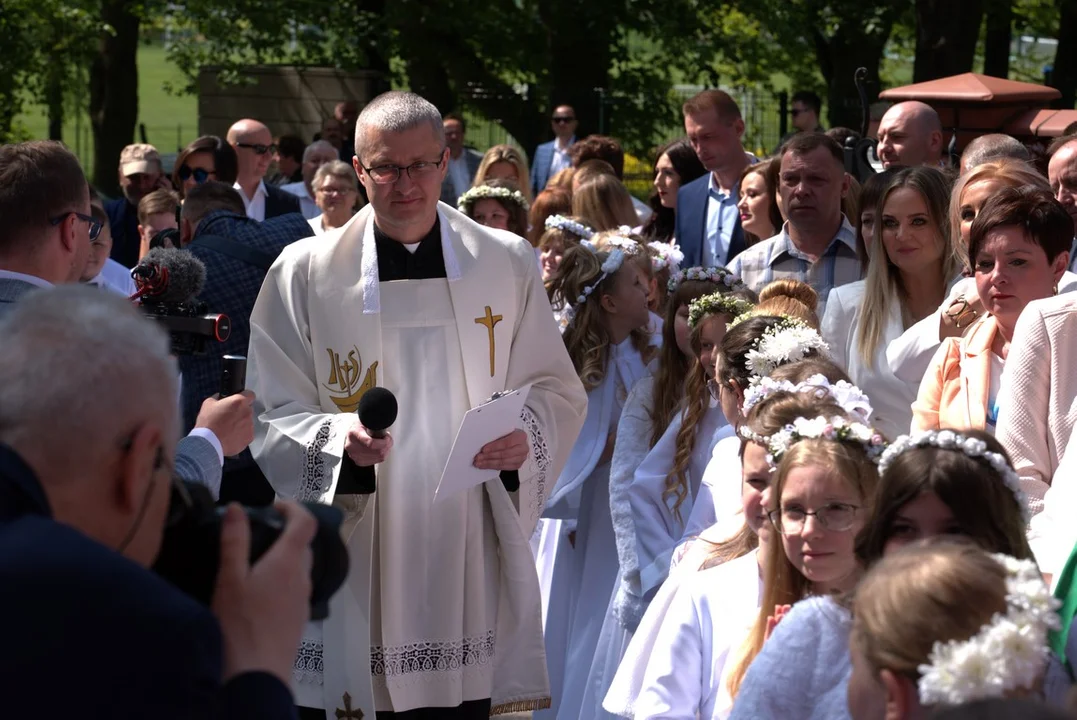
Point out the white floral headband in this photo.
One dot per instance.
(716, 275)
(970, 447)
(612, 264)
(667, 255)
(846, 395)
(834, 429)
(1008, 653)
(625, 244)
(485, 192)
(715, 304)
(785, 342)
(560, 222)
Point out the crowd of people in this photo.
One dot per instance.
(793, 446)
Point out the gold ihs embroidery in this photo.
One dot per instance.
(344, 379)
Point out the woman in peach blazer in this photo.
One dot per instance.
(1018, 249)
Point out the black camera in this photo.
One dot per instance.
(189, 325)
(191, 550)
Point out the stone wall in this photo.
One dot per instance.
(290, 100)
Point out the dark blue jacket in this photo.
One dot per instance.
(123, 221)
(91, 634)
(691, 223)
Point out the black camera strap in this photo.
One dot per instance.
(235, 249)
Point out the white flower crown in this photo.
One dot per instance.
(717, 303)
(1007, 653)
(785, 342)
(834, 429)
(717, 275)
(625, 243)
(848, 396)
(560, 222)
(484, 192)
(612, 264)
(667, 255)
(969, 446)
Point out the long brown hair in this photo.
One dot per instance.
(587, 337)
(550, 201)
(770, 179)
(604, 204)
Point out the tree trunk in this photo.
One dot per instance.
(839, 56)
(114, 91)
(54, 93)
(578, 61)
(998, 36)
(1064, 76)
(946, 35)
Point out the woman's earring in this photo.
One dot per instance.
(1055, 289)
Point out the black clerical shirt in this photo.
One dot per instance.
(396, 262)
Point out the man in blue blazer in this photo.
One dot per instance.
(85, 485)
(553, 156)
(707, 227)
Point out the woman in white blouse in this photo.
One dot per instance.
(914, 262)
(336, 192)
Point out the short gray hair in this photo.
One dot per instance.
(316, 146)
(993, 147)
(79, 366)
(396, 111)
(335, 168)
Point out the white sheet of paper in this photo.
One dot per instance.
(481, 425)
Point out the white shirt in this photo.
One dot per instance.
(722, 216)
(316, 224)
(307, 205)
(115, 277)
(561, 160)
(461, 178)
(256, 206)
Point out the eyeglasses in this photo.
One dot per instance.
(200, 176)
(95, 224)
(562, 120)
(714, 388)
(389, 174)
(258, 148)
(796, 111)
(335, 191)
(838, 517)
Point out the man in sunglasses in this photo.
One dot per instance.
(254, 151)
(552, 157)
(140, 174)
(88, 428)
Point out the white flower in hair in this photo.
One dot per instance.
(972, 447)
(1007, 653)
(560, 222)
(717, 275)
(834, 429)
(668, 255)
(485, 192)
(784, 343)
(610, 265)
(716, 304)
(626, 244)
(848, 396)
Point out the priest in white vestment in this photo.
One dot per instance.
(440, 615)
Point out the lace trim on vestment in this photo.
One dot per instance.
(431, 656)
(541, 452)
(312, 483)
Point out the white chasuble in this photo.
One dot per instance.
(441, 604)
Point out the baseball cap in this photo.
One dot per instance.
(139, 158)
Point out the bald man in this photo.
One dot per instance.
(910, 133)
(994, 146)
(254, 151)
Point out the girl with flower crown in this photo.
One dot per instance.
(643, 258)
(931, 484)
(944, 624)
(611, 350)
(497, 204)
(709, 619)
(645, 524)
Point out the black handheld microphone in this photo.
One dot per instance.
(377, 412)
(233, 375)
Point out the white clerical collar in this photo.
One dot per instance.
(30, 279)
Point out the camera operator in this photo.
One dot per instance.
(88, 427)
(46, 231)
(237, 253)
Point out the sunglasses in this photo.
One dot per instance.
(794, 112)
(560, 120)
(200, 175)
(258, 148)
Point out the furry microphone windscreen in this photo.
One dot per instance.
(186, 273)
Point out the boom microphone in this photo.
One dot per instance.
(377, 412)
(169, 275)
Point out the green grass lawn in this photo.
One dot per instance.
(171, 122)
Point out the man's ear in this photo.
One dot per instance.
(186, 232)
(137, 465)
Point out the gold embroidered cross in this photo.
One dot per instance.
(489, 320)
(347, 713)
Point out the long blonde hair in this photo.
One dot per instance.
(509, 154)
(883, 285)
(604, 204)
(587, 336)
(921, 595)
(783, 584)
